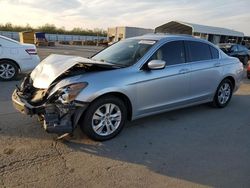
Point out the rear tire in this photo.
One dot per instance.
(223, 94)
(8, 70)
(104, 118)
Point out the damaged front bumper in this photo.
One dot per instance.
(23, 106)
(57, 117)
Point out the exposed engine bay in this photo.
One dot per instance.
(59, 112)
(37, 96)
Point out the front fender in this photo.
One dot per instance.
(88, 95)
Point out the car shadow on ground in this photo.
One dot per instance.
(199, 144)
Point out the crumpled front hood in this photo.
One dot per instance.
(55, 65)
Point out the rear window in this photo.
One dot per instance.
(242, 48)
(199, 51)
(8, 39)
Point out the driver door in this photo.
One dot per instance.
(159, 90)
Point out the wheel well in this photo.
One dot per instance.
(6, 59)
(231, 79)
(124, 98)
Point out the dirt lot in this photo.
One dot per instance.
(193, 147)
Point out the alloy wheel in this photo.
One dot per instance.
(7, 71)
(106, 119)
(224, 93)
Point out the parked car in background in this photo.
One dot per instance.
(16, 58)
(236, 50)
(131, 79)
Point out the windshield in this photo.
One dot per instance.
(126, 52)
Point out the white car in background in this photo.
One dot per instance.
(16, 58)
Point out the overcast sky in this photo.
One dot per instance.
(232, 14)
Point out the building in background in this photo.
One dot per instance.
(246, 41)
(117, 33)
(56, 37)
(213, 34)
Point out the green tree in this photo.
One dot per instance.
(51, 28)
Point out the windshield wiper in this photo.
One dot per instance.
(112, 64)
(119, 65)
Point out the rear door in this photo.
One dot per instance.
(1, 47)
(158, 90)
(205, 72)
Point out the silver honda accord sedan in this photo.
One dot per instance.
(131, 79)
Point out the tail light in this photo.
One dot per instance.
(31, 51)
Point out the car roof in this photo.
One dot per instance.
(160, 36)
(166, 37)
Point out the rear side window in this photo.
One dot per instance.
(172, 53)
(214, 52)
(199, 51)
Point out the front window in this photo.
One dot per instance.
(172, 53)
(126, 52)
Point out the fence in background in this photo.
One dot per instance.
(56, 37)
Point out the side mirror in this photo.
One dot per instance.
(156, 64)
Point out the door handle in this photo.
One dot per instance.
(217, 64)
(183, 71)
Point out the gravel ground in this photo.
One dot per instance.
(193, 147)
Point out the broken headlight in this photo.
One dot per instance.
(69, 92)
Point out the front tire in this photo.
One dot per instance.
(104, 118)
(8, 70)
(223, 94)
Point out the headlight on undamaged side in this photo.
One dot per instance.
(68, 93)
